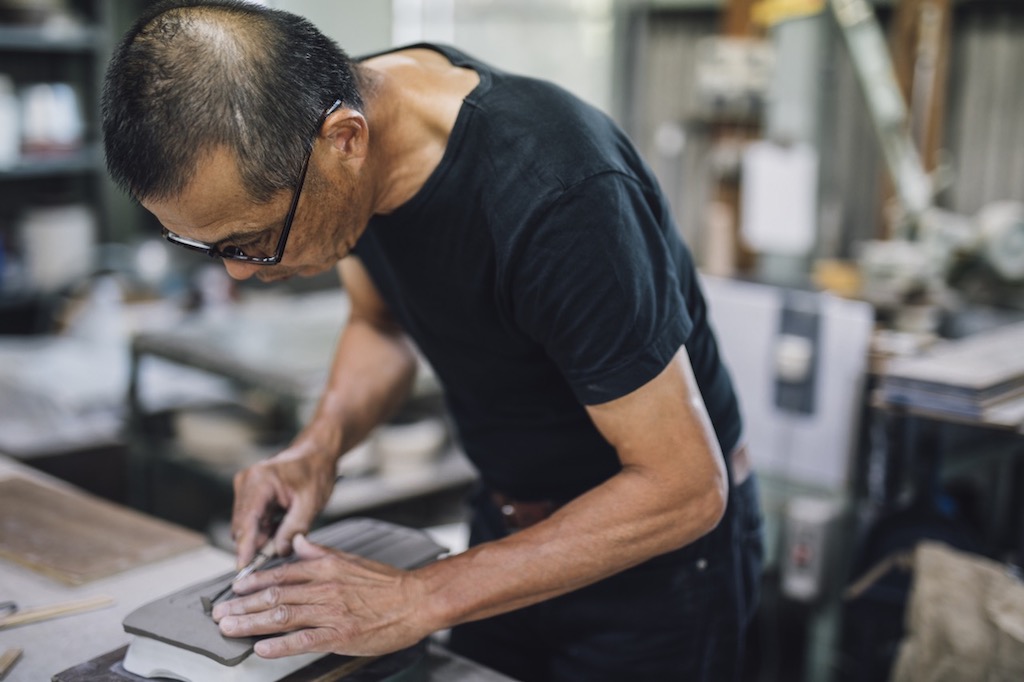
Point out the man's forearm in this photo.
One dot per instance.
(627, 520)
(672, 489)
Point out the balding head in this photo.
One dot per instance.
(195, 75)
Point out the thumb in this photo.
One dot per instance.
(305, 549)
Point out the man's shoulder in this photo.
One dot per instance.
(533, 139)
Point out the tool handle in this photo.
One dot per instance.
(267, 552)
(8, 659)
(55, 611)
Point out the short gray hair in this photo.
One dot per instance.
(193, 75)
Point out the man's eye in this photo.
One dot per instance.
(233, 252)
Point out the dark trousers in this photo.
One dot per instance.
(680, 616)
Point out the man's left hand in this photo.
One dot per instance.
(327, 601)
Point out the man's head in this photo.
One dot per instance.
(194, 75)
(210, 115)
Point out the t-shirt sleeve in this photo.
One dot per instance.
(594, 283)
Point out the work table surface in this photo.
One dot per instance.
(51, 646)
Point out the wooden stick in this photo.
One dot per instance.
(55, 611)
(7, 660)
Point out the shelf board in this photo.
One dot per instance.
(46, 39)
(86, 159)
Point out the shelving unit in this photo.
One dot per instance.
(87, 159)
(52, 40)
(70, 49)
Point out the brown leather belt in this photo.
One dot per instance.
(518, 514)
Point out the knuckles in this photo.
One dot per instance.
(281, 615)
(307, 640)
(277, 575)
(271, 596)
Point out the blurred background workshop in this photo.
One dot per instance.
(849, 175)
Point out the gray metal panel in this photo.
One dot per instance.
(660, 89)
(985, 131)
(851, 163)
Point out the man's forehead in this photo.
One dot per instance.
(214, 200)
(216, 173)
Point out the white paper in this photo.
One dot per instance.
(779, 197)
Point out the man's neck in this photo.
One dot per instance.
(412, 99)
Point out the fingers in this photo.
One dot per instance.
(291, 485)
(303, 641)
(245, 606)
(295, 522)
(307, 550)
(294, 573)
(258, 512)
(250, 502)
(327, 601)
(277, 610)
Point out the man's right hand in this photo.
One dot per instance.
(371, 376)
(297, 481)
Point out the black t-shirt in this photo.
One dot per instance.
(539, 270)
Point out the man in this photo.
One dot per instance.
(514, 235)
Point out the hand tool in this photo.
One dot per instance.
(267, 552)
(26, 616)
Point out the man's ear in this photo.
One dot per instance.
(348, 132)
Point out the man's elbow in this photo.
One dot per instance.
(715, 502)
(704, 510)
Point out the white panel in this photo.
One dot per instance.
(358, 26)
(565, 41)
(814, 449)
(780, 197)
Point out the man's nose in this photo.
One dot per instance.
(239, 270)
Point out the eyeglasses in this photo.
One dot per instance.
(235, 253)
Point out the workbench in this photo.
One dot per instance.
(943, 463)
(52, 646)
(274, 351)
(971, 388)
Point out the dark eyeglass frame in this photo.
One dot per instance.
(236, 254)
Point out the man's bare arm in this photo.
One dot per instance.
(672, 490)
(372, 373)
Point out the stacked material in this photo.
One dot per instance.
(978, 379)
